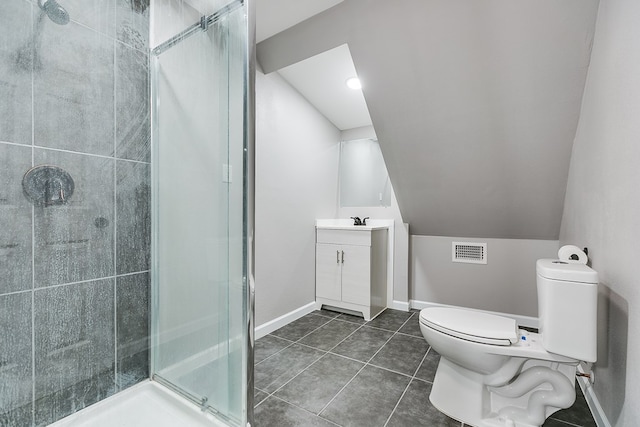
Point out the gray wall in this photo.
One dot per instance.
(602, 207)
(74, 292)
(506, 284)
(296, 183)
(475, 104)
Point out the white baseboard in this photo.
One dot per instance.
(592, 400)
(530, 322)
(272, 325)
(399, 305)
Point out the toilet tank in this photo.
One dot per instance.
(567, 308)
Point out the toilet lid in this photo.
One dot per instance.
(471, 325)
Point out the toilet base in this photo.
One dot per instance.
(461, 394)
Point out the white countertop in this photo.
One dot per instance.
(347, 224)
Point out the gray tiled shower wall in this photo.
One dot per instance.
(74, 283)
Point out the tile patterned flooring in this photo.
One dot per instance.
(332, 369)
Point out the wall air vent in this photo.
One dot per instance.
(473, 253)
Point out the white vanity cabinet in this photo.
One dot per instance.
(351, 269)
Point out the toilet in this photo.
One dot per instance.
(493, 374)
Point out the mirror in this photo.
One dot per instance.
(364, 181)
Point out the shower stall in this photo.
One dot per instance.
(126, 158)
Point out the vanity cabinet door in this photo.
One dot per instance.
(328, 271)
(356, 275)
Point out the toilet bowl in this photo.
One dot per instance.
(493, 374)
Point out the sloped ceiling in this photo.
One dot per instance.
(322, 81)
(475, 103)
(277, 15)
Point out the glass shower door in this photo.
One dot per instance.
(199, 310)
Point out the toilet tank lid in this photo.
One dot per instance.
(555, 269)
(472, 325)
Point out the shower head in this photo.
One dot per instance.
(54, 11)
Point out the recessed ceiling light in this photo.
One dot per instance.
(354, 83)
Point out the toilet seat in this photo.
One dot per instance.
(471, 325)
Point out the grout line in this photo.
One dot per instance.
(422, 361)
(347, 357)
(564, 422)
(379, 329)
(33, 83)
(115, 101)
(33, 226)
(115, 335)
(311, 347)
(344, 339)
(368, 363)
(409, 335)
(423, 380)
(280, 338)
(132, 274)
(81, 153)
(397, 403)
(413, 378)
(295, 376)
(277, 352)
(299, 407)
(390, 370)
(33, 357)
(328, 420)
(89, 280)
(24, 291)
(304, 336)
(365, 364)
(382, 329)
(405, 322)
(19, 144)
(381, 347)
(315, 348)
(348, 321)
(340, 391)
(357, 373)
(115, 213)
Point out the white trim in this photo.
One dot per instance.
(530, 322)
(399, 305)
(592, 400)
(391, 256)
(272, 325)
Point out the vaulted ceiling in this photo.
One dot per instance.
(475, 103)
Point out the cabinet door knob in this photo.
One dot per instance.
(337, 257)
(343, 257)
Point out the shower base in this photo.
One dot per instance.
(145, 404)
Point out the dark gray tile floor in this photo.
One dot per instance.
(330, 369)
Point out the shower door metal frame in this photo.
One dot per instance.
(249, 69)
(249, 222)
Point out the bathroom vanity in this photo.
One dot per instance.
(351, 268)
